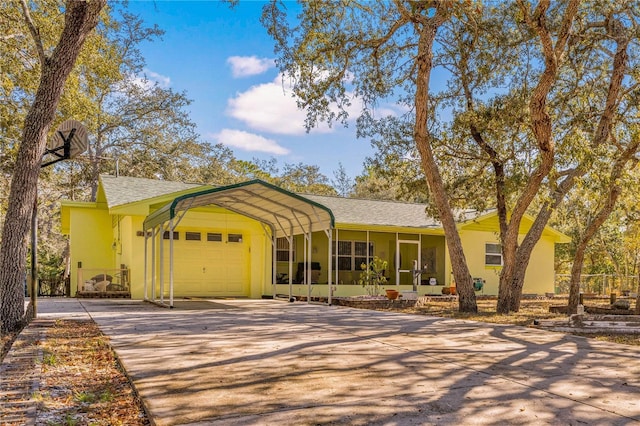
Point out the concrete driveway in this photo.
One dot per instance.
(264, 362)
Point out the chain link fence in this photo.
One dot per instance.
(601, 284)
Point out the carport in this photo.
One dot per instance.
(281, 214)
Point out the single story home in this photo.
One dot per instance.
(158, 240)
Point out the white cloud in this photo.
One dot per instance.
(248, 142)
(149, 79)
(271, 107)
(388, 110)
(245, 66)
(162, 80)
(142, 82)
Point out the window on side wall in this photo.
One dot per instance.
(492, 254)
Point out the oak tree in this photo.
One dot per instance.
(55, 60)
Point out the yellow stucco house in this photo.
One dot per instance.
(157, 240)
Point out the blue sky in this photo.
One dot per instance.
(222, 58)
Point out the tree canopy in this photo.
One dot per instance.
(508, 105)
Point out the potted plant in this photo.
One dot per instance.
(392, 294)
(372, 276)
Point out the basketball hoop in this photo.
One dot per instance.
(69, 141)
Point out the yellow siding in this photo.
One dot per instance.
(134, 258)
(91, 241)
(540, 273)
(490, 223)
(101, 241)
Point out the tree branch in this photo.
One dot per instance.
(35, 33)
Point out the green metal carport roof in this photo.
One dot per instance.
(286, 212)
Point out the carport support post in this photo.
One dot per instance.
(153, 264)
(290, 239)
(171, 263)
(145, 264)
(330, 288)
(309, 266)
(161, 261)
(337, 268)
(274, 261)
(305, 245)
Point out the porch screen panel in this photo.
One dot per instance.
(361, 255)
(282, 250)
(344, 256)
(352, 254)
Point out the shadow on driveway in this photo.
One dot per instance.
(270, 362)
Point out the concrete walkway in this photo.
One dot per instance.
(263, 362)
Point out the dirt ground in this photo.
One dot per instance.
(81, 381)
(530, 310)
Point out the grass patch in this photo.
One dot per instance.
(49, 358)
(85, 397)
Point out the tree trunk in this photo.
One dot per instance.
(505, 293)
(80, 19)
(613, 194)
(424, 61)
(576, 277)
(511, 276)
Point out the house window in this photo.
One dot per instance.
(235, 238)
(492, 254)
(282, 250)
(352, 254)
(214, 236)
(192, 236)
(176, 234)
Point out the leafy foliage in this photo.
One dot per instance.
(530, 100)
(372, 276)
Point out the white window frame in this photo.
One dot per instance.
(493, 254)
(282, 249)
(352, 256)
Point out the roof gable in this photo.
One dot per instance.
(122, 190)
(489, 223)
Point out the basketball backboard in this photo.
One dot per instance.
(69, 140)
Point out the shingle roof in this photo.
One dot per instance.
(124, 190)
(376, 212)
